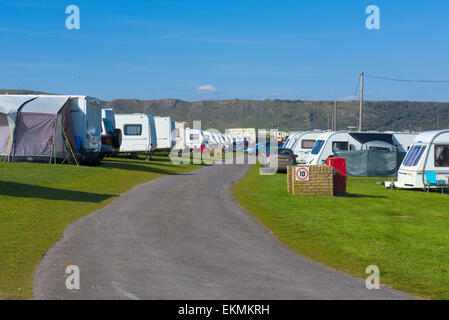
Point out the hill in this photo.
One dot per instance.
(287, 114)
(292, 115)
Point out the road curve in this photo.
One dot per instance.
(183, 237)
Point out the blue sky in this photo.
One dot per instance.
(215, 49)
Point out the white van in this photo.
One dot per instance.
(330, 142)
(430, 152)
(165, 128)
(138, 133)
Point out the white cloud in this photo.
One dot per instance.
(207, 88)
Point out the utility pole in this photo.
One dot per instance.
(361, 101)
(328, 121)
(335, 116)
(438, 122)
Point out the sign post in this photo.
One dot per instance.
(302, 174)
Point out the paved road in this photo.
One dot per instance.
(183, 237)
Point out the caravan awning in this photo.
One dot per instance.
(47, 105)
(10, 105)
(364, 137)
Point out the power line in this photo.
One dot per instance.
(357, 89)
(406, 80)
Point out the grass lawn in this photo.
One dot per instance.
(37, 201)
(404, 233)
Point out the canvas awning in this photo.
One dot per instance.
(9, 105)
(39, 127)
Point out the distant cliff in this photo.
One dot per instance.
(287, 114)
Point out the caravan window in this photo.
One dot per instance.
(317, 147)
(307, 144)
(133, 129)
(177, 133)
(414, 155)
(442, 156)
(379, 149)
(194, 136)
(339, 146)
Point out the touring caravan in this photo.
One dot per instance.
(138, 133)
(180, 135)
(194, 139)
(291, 140)
(429, 153)
(165, 127)
(330, 142)
(50, 128)
(303, 143)
(111, 137)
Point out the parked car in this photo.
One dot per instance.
(285, 157)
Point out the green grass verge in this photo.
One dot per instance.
(404, 233)
(37, 201)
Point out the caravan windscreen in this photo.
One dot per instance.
(317, 147)
(414, 155)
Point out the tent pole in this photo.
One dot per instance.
(53, 149)
(68, 142)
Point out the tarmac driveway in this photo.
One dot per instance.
(183, 237)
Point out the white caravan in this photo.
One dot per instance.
(291, 140)
(330, 142)
(430, 152)
(194, 139)
(303, 143)
(180, 135)
(138, 132)
(165, 127)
